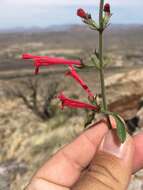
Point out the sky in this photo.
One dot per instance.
(44, 13)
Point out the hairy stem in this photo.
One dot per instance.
(103, 92)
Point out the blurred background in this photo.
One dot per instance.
(32, 125)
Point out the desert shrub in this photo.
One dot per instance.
(36, 96)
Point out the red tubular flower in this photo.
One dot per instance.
(81, 13)
(47, 61)
(75, 75)
(107, 8)
(75, 104)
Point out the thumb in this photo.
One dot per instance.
(111, 167)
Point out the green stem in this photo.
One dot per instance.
(102, 71)
(103, 92)
(101, 55)
(101, 13)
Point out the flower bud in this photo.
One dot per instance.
(107, 8)
(81, 13)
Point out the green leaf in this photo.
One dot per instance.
(91, 23)
(95, 61)
(106, 20)
(121, 128)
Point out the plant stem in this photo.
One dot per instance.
(102, 71)
(101, 55)
(103, 92)
(101, 14)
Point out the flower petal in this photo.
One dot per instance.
(75, 103)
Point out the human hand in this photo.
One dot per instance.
(94, 160)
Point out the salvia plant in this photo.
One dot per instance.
(94, 106)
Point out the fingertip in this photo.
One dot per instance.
(102, 123)
(96, 132)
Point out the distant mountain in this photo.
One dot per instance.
(36, 29)
(57, 28)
